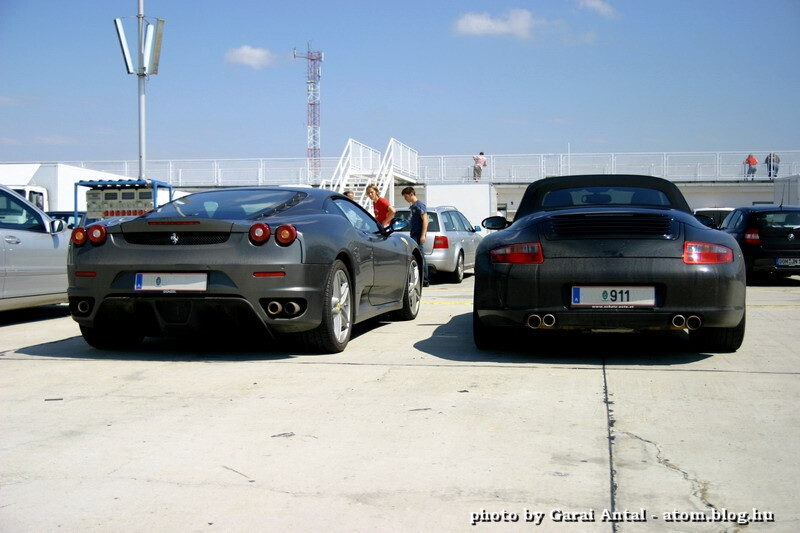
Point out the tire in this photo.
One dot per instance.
(333, 333)
(457, 276)
(480, 333)
(723, 340)
(412, 295)
(110, 338)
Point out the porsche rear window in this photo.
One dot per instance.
(592, 196)
(230, 204)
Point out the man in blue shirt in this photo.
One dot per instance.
(419, 226)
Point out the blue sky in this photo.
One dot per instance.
(444, 77)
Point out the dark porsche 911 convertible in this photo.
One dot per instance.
(283, 260)
(609, 253)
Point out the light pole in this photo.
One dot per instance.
(148, 54)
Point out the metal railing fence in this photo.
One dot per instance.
(519, 168)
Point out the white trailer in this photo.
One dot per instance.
(787, 190)
(475, 200)
(50, 186)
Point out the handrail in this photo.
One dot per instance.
(360, 160)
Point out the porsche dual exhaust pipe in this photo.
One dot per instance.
(692, 322)
(535, 321)
(83, 307)
(274, 308)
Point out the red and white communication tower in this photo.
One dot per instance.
(314, 59)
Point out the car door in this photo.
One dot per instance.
(34, 260)
(470, 238)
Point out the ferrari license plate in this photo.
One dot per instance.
(787, 261)
(613, 297)
(170, 281)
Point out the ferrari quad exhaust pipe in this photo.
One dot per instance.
(549, 320)
(694, 322)
(679, 321)
(83, 307)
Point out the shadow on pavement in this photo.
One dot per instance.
(449, 342)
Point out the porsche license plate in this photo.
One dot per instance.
(622, 296)
(787, 261)
(170, 281)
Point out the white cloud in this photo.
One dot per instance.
(600, 6)
(517, 22)
(256, 58)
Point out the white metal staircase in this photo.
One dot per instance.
(361, 165)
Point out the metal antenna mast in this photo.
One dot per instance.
(314, 59)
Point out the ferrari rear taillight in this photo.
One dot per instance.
(259, 233)
(79, 236)
(286, 234)
(751, 236)
(97, 234)
(524, 253)
(440, 241)
(704, 253)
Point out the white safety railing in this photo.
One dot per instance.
(361, 161)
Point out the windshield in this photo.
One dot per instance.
(230, 204)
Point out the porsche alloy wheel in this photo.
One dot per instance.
(333, 334)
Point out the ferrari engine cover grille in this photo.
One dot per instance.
(177, 238)
(610, 226)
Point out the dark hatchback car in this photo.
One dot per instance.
(769, 236)
(618, 253)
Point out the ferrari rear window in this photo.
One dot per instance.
(230, 204)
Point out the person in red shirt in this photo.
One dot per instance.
(751, 163)
(384, 211)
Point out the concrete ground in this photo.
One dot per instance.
(411, 429)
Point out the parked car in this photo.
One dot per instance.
(450, 243)
(33, 255)
(769, 236)
(69, 218)
(609, 253)
(716, 214)
(285, 260)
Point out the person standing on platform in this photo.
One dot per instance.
(751, 163)
(772, 161)
(477, 168)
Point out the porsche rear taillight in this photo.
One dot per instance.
(259, 233)
(440, 241)
(528, 253)
(286, 234)
(704, 253)
(751, 236)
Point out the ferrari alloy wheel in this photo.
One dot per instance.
(413, 292)
(333, 334)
